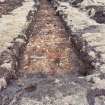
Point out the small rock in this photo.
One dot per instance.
(7, 65)
(3, 83)
(20, 40)
(2, 1)
(30, 87)
(92, 54)
(57, 80)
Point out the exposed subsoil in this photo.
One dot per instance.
(49, 49)
(48, 55)
(9, 5)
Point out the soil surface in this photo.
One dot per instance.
(49, 49)
(49, 71)
(48, 65)
(8, 5)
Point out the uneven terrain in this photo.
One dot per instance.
(52, 53)
(49, 49)
(8, 6)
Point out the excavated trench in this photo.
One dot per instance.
(49, 50)
(49, 53)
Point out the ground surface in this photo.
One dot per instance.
(9, 5)
(48, 54)
(50, 70)
(49, 49)
(17, 16)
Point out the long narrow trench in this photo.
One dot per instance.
(49, 49)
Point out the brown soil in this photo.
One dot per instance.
(49, 49)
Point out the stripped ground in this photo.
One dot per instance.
(9, 5)
(48, 63)
(49, 49)
(48, 67)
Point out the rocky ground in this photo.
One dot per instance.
(53, 57)
(13, 38)
(7, 6)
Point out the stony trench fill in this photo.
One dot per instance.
(49, 49)
(50, 69)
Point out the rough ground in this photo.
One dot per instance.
(51, 72)
(17, 16)
(13, 36)
(85, 21)
(88, 32)
(49, 49)
(8, 5)
(10, 46)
